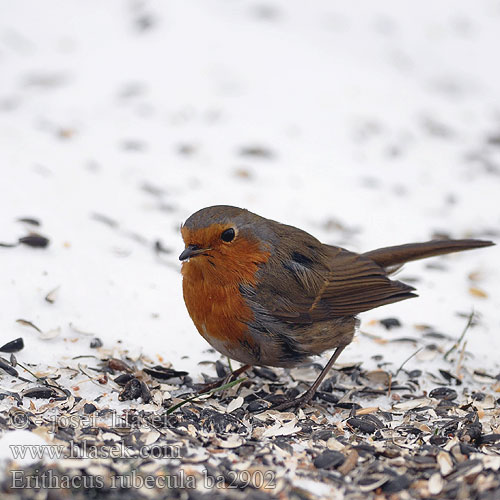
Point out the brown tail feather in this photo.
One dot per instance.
(393, 256)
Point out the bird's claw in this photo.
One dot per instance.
(231, 377)
(295, 404)
(214, 385)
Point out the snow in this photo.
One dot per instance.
(380, 116)
(11, 444)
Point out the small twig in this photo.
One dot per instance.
(461, 359)
(41, 380)
(371, 335)
(25, 322)
(92, 379)
(151, 424)
(406, 361)
(211, 391)
(457, 343)
(45, 380)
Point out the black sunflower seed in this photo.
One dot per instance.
(132, 390)
(13, 346)
(257, 405)
(489, 438)
(399, 483)
(145, 393)
(325, 396)
(265, 373)
(35, 241)
(348, 406)
(29, 220)
(123, 379)
(89, 408)
(220, 369)
(163, 373)
(449, 377)
(362, 425)
(95, 343)
(443, 393)
(329, 459)
(40, 393)
(389, 323)
(7, 368)
(438, 440)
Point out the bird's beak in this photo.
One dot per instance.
(192, 251)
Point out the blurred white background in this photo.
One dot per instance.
(366, 123)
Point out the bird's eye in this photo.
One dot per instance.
(228, 235)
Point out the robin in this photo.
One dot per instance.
(264, 293)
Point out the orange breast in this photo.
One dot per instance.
(212, 295)
(217, 311)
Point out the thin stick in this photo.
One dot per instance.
(460, 360)
(457, 343)
(406, 361)
(44, 380)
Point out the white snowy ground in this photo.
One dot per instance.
(378, 123)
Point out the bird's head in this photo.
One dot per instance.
(225, 241)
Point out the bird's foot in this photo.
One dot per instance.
(222, 381)
(214, 385)
(306, 398)
(295, 404)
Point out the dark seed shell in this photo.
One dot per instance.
(35, 241)
(145, 393)
(39, 393)
(13, 346)
(89, 408)
(329, 459)
(489, 438)
(220, 369)
(438, 440)
(257, 405)
(325, 396)
(397, 484)
(362, 425)
(7, 368)
(443, 393)
(123, 379)
(29, 220)
(95, 343)
(449, 376)
(163, 373)
(132, 390)
(266, 373)
(119, 365)
(389, 323)
(348, 406)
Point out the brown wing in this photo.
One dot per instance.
(322, 283)
(355, 284)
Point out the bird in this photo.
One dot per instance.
(270, 294)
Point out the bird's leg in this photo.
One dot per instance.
(224, 380)
(308, 395)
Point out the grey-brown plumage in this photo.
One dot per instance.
(284, 295)
(308, 294)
